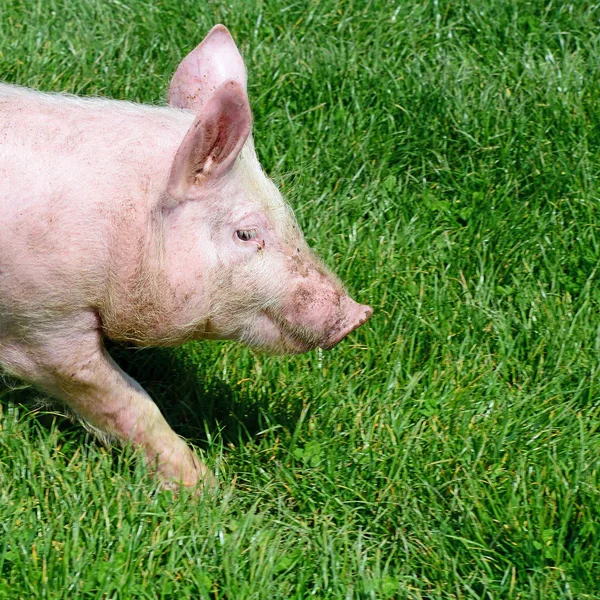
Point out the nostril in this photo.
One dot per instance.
(368, 314)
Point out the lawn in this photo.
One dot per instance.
(444, 158)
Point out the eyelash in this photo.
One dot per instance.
(245, 235)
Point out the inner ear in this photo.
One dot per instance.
(213, 142)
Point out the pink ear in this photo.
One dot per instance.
(213, 142)
(205, 68)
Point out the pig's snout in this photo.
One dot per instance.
(353, 316)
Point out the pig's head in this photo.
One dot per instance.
(241, 262)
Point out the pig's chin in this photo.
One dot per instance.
(270, 335)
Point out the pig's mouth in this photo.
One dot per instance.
(279, 333)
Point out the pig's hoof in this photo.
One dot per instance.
(194, 474)
(204, 480)
(203, 485)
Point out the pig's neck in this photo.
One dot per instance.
(140, 300)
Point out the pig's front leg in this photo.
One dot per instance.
(78, 370)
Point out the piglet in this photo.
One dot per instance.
(152, 226)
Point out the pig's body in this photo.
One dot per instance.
(153, 226)
(79, 220)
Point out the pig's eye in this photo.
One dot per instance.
(246, 234)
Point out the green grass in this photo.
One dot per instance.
(444, 158)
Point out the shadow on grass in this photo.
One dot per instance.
(193, 399)
(197, 404)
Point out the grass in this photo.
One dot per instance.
(444, 158)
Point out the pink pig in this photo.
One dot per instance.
(153, 226)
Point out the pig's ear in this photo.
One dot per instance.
(204, 69)
(213, 142)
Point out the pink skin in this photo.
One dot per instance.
(154, 226)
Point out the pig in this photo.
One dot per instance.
(151, 226)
